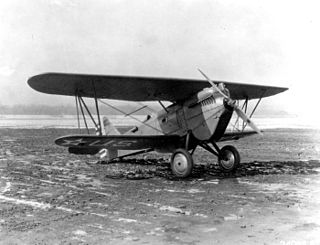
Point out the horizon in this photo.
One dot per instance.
(70, 121)
(63, 109)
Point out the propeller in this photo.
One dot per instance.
(232, 103)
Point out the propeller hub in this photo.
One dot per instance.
(228, 104)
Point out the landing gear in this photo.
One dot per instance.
(229, 158)
(181, 163)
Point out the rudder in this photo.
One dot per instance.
(109, 129)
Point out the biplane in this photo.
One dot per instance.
(198, 115)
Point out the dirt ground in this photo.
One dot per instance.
(50, 197)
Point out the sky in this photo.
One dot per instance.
(250, 41)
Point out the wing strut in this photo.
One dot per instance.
(81, 103)
(254, 109)
(88, 111)
(97, 108)
(84, 117)
(245, 107)
(78, 118)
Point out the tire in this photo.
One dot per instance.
(181, 163)
(229, 159)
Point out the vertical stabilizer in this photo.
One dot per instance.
(109, 129)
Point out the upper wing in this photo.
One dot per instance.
(138, 88)
(119, 142)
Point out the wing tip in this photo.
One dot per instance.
(33, 81)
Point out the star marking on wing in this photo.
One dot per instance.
(73, 142)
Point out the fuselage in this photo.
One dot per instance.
(205, 114)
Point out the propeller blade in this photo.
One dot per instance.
(246, 119)
(213, 85)
(231, 103)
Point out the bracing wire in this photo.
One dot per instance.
(124, 113)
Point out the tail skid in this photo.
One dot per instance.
(108, 154)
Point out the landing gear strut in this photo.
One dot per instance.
(182, 162)
(228, 156)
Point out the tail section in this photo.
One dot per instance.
(108, 154)
(109, 129)
(111, 154)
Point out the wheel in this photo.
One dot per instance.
(229, 159)
(181, 163)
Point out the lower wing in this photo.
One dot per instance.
(119, 142)
(236, 135)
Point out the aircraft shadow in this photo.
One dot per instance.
(144, 169)
(263, 168)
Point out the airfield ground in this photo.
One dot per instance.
(50, 197)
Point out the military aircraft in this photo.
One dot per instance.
(198, 115)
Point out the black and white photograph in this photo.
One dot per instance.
(159, 122)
